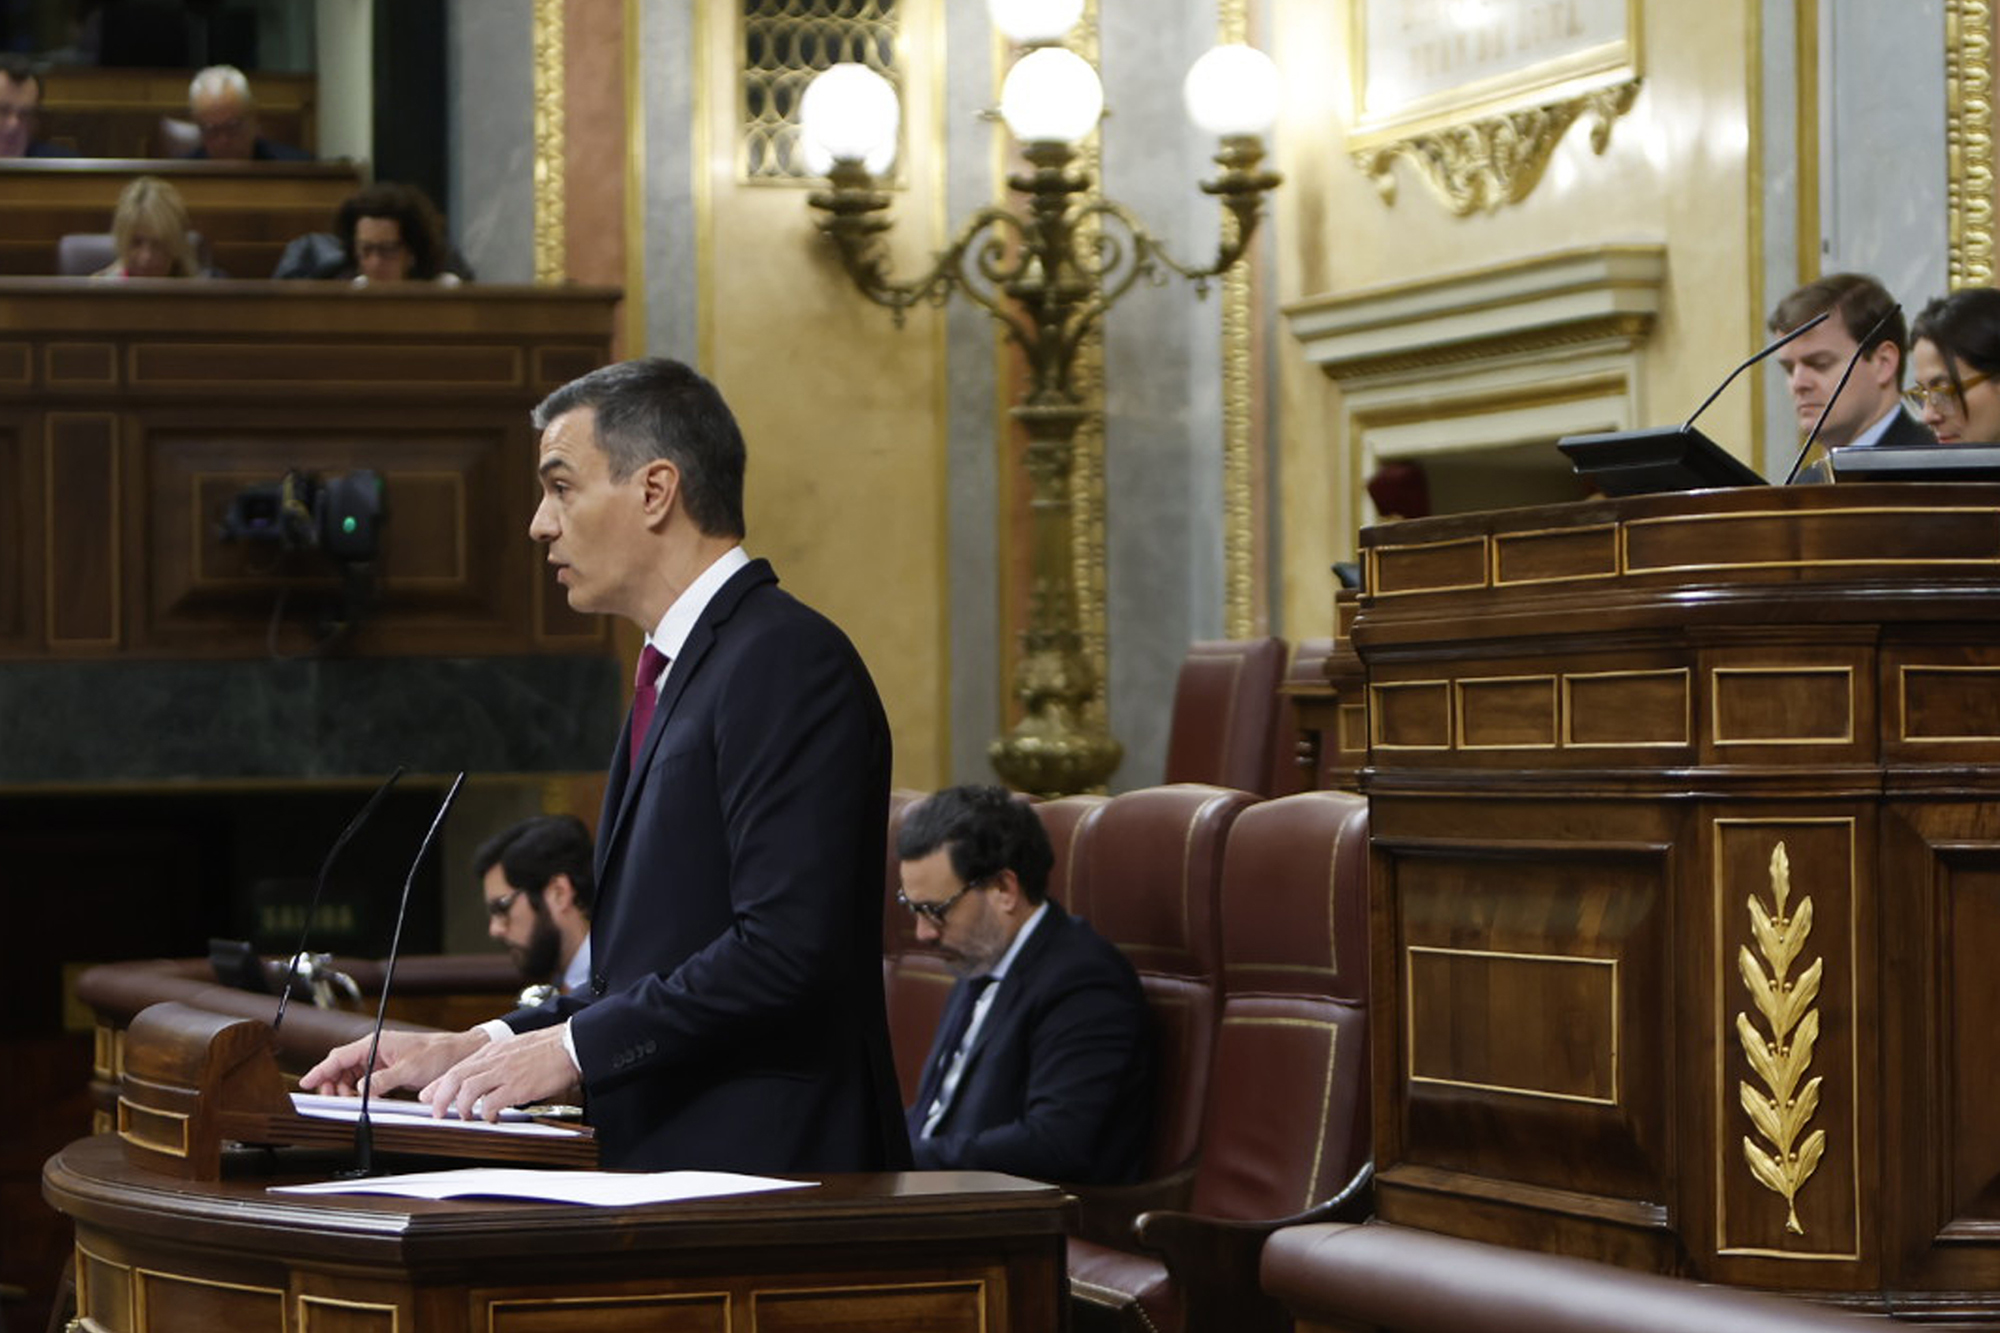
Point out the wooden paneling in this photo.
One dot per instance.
(150, 408)
(1707, 984)
(95, 112)
(247, 212)
(81, 520)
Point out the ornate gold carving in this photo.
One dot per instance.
(1782, 1109)
(1496, 160)
(1087, 481)
(1239, 448)
(550, 261)
(1968, 92)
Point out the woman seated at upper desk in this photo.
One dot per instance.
(152, 234)
(1955, 360)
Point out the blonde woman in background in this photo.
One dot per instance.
(150, 230)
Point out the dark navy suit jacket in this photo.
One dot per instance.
(1058, 1083)
(1905, 429)
(736, 1020)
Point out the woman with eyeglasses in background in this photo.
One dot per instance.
(1955, 360)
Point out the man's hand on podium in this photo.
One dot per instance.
(404, 1060)
(532, 1067)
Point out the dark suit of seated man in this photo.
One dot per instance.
(1042, 1065)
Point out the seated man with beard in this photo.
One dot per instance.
(1042, 1064)
(536, 877)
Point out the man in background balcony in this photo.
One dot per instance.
(220, 104)
(21, 110)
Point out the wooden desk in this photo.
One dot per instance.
(102, 112)
(1660, 785)
(131, 413)
(247, 211)
(932, 1251)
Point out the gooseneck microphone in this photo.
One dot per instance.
(1834, 397)
(364, 1131)
(1730, 379)
(319, 888)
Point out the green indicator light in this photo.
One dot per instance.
(348, 524)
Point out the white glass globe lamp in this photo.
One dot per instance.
(849, 113)
(1232, 92)
(1051, 96)
(1031, 22)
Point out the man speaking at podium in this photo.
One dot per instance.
(735, 1017)
(1869, 410)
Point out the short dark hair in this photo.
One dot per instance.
(656, 408)
(417, 223)
(535, 851)
(988, 829)
(1861, 301)
(19, 69)
(1963, 326)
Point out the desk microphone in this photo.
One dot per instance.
(1831, 398)
(1730, 379)
(364, 1131)
(325, 868)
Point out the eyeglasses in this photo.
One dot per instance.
(504, 903)
(1944, 394)
(935, 913)
(219, 129)
(378, 249)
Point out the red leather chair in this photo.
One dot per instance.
(1291, 756)
(1225, 706)
(1150, 870)
(1284, 1134)
(1390, 1277)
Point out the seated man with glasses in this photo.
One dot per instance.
(1042, 1064)
(536, 878)
(1869, 410)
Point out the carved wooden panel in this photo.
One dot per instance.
(81, 519)
(1792, 1135)
(18, 507)
(1533, 1037)
(246, 211)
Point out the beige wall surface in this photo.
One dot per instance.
(842, 411)
(1675, 172)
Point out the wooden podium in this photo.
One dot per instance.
(176, 1228)
(1686, 901)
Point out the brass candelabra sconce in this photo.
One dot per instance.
(1048, 275)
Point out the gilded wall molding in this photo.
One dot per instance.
(1968, 89)
(1087, 503)
(1239, 447)
(550, 260)
(1485, 163)
(1785, 1103)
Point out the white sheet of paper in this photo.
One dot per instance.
(601, 1188)
(395, 1111)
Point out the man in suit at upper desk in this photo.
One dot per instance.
(1041, 1064)
(1869, 410)
(735, 1019)
(21, 110)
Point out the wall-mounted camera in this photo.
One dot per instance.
(338, 517)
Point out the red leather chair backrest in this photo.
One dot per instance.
(1287, 1121)
(1069, 820)
(1225, 702)
(1153, 864)
(1307, 666)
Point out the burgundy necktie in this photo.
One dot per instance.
(645, 698)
